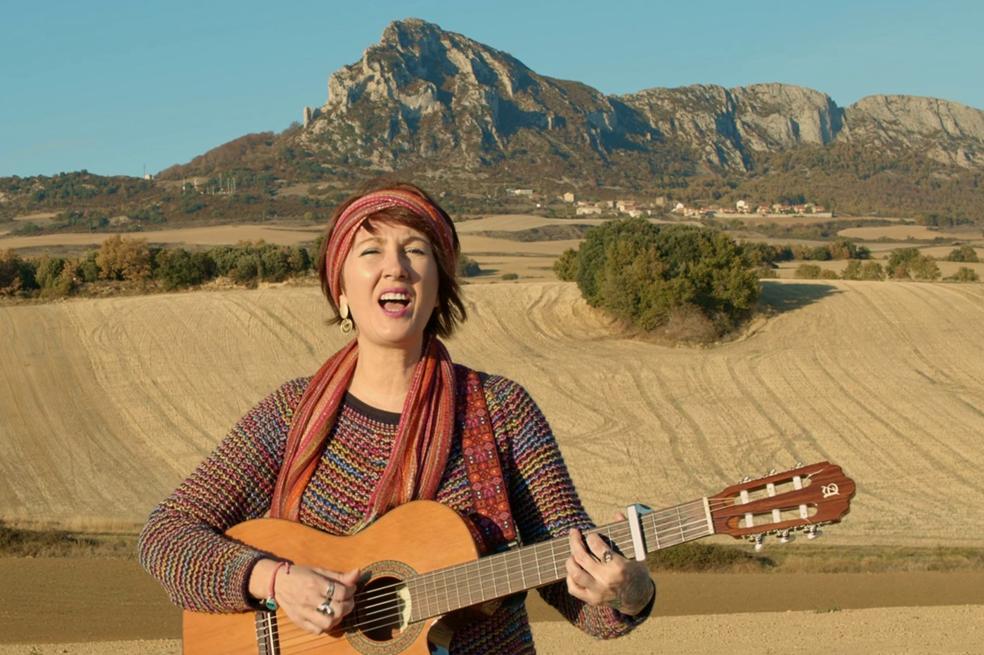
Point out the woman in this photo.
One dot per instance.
(378, 425)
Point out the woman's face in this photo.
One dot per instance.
(390, 281)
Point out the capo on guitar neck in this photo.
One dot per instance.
(635, 512)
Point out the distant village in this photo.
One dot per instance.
(658, 206)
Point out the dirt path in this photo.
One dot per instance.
(114, 600)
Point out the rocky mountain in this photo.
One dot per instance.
(430, 102)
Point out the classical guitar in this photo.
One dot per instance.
(420, 563)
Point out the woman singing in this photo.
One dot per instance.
(380, 424)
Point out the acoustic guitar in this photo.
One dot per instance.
(420, 564)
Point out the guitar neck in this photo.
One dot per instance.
(445, 590)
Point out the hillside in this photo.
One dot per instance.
(108, 404)
(469, 121)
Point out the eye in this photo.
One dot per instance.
(416, 250)
(369, 251)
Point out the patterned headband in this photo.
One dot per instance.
(352, 218)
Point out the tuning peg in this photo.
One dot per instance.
(744, 479)
(771, 472)
(813, 532)
(759, 542)
(785, 537)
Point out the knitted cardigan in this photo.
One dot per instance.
(182, 544)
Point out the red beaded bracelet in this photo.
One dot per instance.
(271, 601)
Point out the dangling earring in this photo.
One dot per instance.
(346, 325)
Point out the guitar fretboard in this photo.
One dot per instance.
(448, 589)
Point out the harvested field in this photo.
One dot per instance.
(107, 404)
(915, 232)
(206, 236)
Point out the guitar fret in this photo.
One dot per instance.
(503, 574)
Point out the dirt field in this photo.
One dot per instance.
(107, 404)
(902, 232)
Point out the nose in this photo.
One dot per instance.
(395, 264)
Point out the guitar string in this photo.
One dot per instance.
(299, 636)
(384, 592)
(617, 531)
(658, 524)
(393, 619)
(383, 596)
(391, 613)
(718, 504)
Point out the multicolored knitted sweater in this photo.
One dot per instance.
(183, 545)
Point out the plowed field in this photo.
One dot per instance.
(105, 405)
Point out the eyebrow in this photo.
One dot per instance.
(372, 237)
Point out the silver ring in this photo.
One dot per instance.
(331, 591)
(325, 608)
(607, 556)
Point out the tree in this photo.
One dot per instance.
(124, 259)
(180, 268)
(565, 266)
(808, 272)
(872, 271)
(964, 274)
(17, 276)
(965, 253)
(852, 271)
(642, 273)
(468, 267)
(925, 268)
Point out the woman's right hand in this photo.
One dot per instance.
(301, 590)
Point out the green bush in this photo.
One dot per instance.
(852, 271)
(48, 270)
(180, 268)
(964, 274)
(17, 276)
(565, 267)
(641, 273)
(246, 270)
(872, 271)
(468, 267)
(808, 272)
(89, 267)
(924, 268)
(298, 259)
(900, 261)
(965, 254)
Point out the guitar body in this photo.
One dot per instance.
(422, 554)
(414, 538)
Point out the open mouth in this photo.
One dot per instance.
(394, 302)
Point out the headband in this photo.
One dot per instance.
(351, 219)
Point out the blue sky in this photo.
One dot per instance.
(116, 86)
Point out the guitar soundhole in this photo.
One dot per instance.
(382, 614)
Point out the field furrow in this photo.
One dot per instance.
(106, 404)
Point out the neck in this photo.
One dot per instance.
(382, 375)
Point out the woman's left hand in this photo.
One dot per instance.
(598, 575)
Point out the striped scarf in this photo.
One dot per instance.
(420, 450)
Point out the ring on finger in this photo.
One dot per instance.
(331, 591)
(326, 609)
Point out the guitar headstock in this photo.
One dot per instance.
(802, 498)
